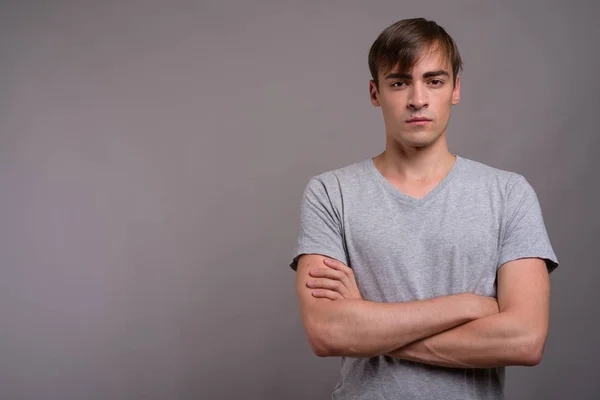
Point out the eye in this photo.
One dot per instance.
(436, 82)
(398, 84)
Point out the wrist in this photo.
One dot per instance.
(473, 306)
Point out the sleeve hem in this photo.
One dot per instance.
(321, 251)
(551, 260)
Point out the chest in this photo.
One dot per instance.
(402, 253)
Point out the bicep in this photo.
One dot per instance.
(524, 291)
(314, 311)
(306, 263)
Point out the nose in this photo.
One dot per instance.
(418, 98)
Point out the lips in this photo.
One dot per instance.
(418, 119)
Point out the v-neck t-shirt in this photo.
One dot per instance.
(453, 240)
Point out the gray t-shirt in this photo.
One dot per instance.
(404, 249)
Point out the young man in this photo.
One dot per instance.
(425, 271)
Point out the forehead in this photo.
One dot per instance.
(432, 58)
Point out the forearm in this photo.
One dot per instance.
(496, 340)
(359, 328)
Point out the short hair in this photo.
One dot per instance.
(399, 44)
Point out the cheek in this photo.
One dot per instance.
(394, 118)
(443, 109)
(392, 110)
(389, 112)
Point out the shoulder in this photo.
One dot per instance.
(501, 180)
(332, 187)
(348, 175)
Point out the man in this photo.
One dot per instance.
(425, 271)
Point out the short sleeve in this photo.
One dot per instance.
(524, 234)
(321, 229)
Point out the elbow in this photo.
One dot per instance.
(532, 357)
(320, 340)
(319, 347)
(320, 350)
(532, 351)
(327, 340)
(328, 333)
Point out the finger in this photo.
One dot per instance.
(346, 279)
(327, 273)
(337, 265)
(333, 263)
(342, 281)
(328, 294)
(327, 284)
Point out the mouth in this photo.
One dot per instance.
(418, 121)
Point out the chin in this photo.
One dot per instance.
(421, 144)
(417, 141)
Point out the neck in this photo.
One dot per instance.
(415, 164)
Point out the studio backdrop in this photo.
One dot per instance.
(153, 156)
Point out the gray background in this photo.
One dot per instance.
(153, 156)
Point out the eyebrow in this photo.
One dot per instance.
(399, 75)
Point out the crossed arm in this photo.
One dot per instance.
(461, 330)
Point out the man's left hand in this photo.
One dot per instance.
(335, 283)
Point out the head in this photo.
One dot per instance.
(414, 65)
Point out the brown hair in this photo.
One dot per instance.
(399, 44)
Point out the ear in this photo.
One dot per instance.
(456, 92)
(373, 93)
